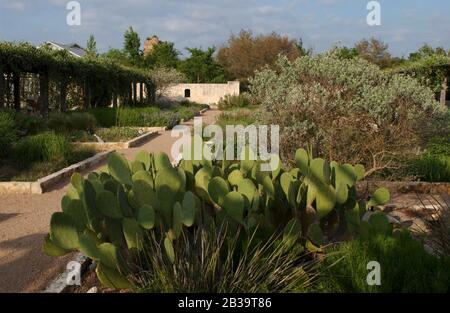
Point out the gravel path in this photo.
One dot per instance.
(24, 221)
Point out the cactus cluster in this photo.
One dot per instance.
(109, 215)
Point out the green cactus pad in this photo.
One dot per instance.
(88, 246)
(189, 209)
(235, 177)
(144, 158)
(341, 193)
(75, 209)
(108, 255)
(133, 233)
(146, 217)
(168, 246)
(145, 176)
(162, 161)
(234, 204)
(360, 171)
(247, 188)
(325, 200)
(380, 196)
(111, 278)
(51, 249)
(77, 182)
(63, 231)
(119, 168)
(107, 204)
(302, 160)
(286, 181)
(144, 194)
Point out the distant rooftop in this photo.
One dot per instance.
(73, 48)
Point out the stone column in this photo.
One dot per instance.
(444, 93)
(16, 86)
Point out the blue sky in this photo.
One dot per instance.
(406, 24)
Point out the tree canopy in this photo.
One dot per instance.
(243, 54)
(201, 67)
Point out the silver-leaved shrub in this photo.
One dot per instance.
(344, 110)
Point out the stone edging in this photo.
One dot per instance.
(59, 284)
(135, 142)
(399, 187)
(42, 185)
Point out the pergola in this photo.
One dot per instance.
(103, 82)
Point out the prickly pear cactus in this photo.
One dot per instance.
(110, 215)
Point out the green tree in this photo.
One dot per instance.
(201, 67)
(116, 55)
(374, 51)
(91, 47)
(427, 51)
(132, 45)
(164, 55)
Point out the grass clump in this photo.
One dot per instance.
(216, 261)
(405, 267)
(43, 147)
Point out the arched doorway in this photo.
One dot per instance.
(187, 93)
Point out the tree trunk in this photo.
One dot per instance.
(43, 93)
(444, 93)
(63, 96)
(2, 89)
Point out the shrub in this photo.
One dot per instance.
(116, 134)
(233, 101)
(405, 266)
(63, 123)
(7, 131)
(43, 147)
(83, 121)
(346, 110)
(432, 168)
(27, 124)
(112, 215)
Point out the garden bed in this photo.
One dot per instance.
(44, 184)
(142, 136)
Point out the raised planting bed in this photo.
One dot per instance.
(130, 138)
(44, 184)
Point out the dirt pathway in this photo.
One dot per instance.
(24, 221)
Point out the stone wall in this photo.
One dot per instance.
(202, 93)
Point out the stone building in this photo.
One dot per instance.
(202, 93)
(150, 43)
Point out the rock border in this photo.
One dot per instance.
(44, 184)
(399, 187)
(59, 284)
(135, 142)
